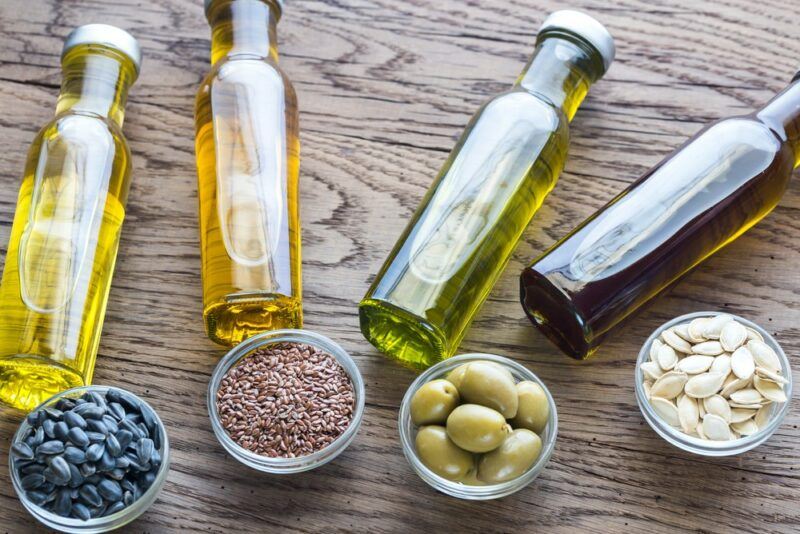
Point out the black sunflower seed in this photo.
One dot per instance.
(95, 452)
(78, 437)
(110, 490)
(22, 451)
(74, 420)
(50, 447)
(63, 503)
(88, 494)
(32, 481)
(61, 430)
(74, 455)
(80, 511)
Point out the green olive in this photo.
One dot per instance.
(517, 454)
(490, 385)
(455, 376)
(433, 402)
(476, 428)
(472, 479)
(534, 410)
(441, 455)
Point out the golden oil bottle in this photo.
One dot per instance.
(697, 200)
(67, 223)
(497, 176)
(247, 162)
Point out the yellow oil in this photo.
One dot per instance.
(247, 149)
(461, 237)
(65, 234)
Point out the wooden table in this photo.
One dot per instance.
(385, 86)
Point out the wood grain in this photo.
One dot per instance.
(384, 88)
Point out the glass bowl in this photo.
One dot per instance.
(408, 432)
(286, 465)
(97, 524)
(696, 445)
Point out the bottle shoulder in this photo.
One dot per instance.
(246, 69)
(82, 130)
(526, 108)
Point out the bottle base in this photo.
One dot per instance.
(401, 335)
(236, 318)
(26, 380)
(554, 314)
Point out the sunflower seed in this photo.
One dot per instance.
(742, 363)
(74, 420)
(81, 512)
(89, 495)
(61, 430)
(95, 452)
(74, 455)
(763, 355)
(63, 503)
(32, 481)
(694, 364)
(732, 336)
(22, 451)
(704, 385)
(769, 389)
(110, 490)
(718, 405)
(676, 342)
(669, 386)
(78, 437)
(716, 428)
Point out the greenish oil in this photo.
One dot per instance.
(463, 233)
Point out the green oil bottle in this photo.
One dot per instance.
(496, 178)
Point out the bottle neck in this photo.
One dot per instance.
(561, 71)
(244, 28)
(96, 80)
(782, 114)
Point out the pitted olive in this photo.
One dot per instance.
(433, 402)
(476, 428)
(490, 385)
(518, 452)
(441, 455)
(534, 410)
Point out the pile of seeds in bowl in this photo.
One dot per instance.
(286, 400)
(88, 457)
(713, 378)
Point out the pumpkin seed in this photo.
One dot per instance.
(697, 330)
(716, 428)
(763, 372)
(747, 396)
(753, 334)
(715, 325)
(669, 386)
(699, 430)
(704, 385)
(667, 357)
(762, 416)
(647, 386)
(732, 336)
(739, 415)
(748, 427)
(694, 364)
(742, 363)
(676, 342)
(769, 389)
(733, 383)
(708, 348)
(650, 369)
(745, 406)
(688, 413)
(700, 408)
(683, 331)
(657, 344)
(718, 405)
(666, 410)
(722, 364)
(764, 355)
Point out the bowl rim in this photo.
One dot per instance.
(103, 523)
(675, 436)
(300, 463)
(457, 489)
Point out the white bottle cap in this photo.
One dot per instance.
(105, 35)
(585, 27)
(280, 4)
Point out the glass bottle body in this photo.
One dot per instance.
(248, 164)
(696, 201)
(65, 234)
(460, 238)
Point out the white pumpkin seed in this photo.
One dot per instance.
(683, 331)
(696, 330)
(763, 355)
(666, 410)
(670, 385)
(708, 348)
(747, 396)
(716, 428)
(717, 405)
(688, 413)
(694, 364)
(701, 410)
(699, 430)
(722, 364)
(769, 389)
(654, 346)
(735, 435)
(763, 372)
(651, 370)
(647, 386)
(715, 325)
(753, 334)
(747, 427)
(739, 415)
(667, 357)
(732, 336)
(763, 415)
(704, 385)
(745, 406)
(742, 363)
(733, 383)
(676, 342)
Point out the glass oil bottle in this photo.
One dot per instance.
(67, 224)
(497, 176)
(247, 162)
(694, 202)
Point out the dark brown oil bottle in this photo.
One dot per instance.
(697, 200)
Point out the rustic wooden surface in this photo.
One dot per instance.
(384, 88)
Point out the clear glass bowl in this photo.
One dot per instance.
(408, 432)
(98, 524)
(286, 465)
(707, 447)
